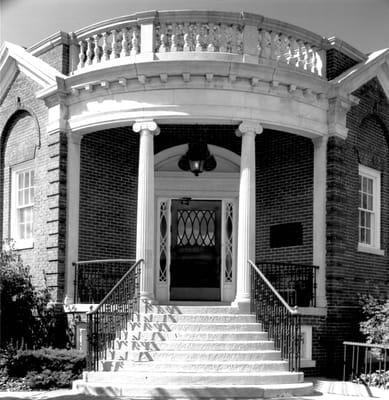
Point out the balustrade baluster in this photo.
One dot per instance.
(274, 46)
(162, 38)
(187, 41)
(234, 39)
(114, 46)
(89, 51)
(301, 54)
(265, 44)
(105, 47)
(81, 55)
(211, 38)
(124, 52)
(96, 49)
(174, 38)
(284, 48)
(199, 37)
(134, 41)
(294, 52)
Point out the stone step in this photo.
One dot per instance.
(182, 335)
(191, 318)
(241, 392)
(194, 356)
(195, 367)
(201, 308)
(193, 327)
(190, 378)
(195, 345)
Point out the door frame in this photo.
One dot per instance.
(229, 209)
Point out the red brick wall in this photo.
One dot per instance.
(337, 63)
(57, 57)
(350, 272)
(284, 193)
(108, 194)
(18, 142)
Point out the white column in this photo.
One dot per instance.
(145, 209)
(319, 216)
(246, 217)
(72, 223)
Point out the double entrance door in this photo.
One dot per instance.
(195, 250)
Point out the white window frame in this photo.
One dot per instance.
(14, 229)
(375, 246)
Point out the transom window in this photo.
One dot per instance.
(23, 190)
(369, 209)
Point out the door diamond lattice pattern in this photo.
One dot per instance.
(196, 228)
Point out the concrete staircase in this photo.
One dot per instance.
(193, 352)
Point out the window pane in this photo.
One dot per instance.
(28, 234)
(26, 196)
(364, 201)
(370, 203)
(364, 184)
(26, 179)
(368, 220)
(362, 235)
(20, 181)
(32, 176)
(370, 186)
(368, 236)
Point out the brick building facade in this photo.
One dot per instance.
(81, 112)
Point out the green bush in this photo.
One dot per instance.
(376, 324)
(46, 368)
(28, 318)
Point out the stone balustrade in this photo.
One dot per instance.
(241, 34)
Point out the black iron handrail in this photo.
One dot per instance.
(95, 278)
(112, 315)
(296, 283)
(366, 363)
(278, 318)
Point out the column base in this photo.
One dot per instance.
(242, 304)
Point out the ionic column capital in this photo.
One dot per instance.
(249, 127)
(146, 125)
(319, 142)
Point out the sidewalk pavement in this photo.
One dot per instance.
(325, 389)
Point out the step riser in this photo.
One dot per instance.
(213, 393)
(192, 336)
(195, 368)
(196, 327)
(156, 309)
(194, 318)
(189, 379)
(194, 345)
(181, 356)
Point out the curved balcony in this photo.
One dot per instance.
(198, 35)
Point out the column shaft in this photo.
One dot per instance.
(73, 205)
(145, 207)
(246, 216)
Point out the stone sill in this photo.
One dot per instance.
(370, 250)
(313, 311)
(308, 364)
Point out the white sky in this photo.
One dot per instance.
(362, 23)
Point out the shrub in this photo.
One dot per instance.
(376, 325)
(46, 368)
(27, 317)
